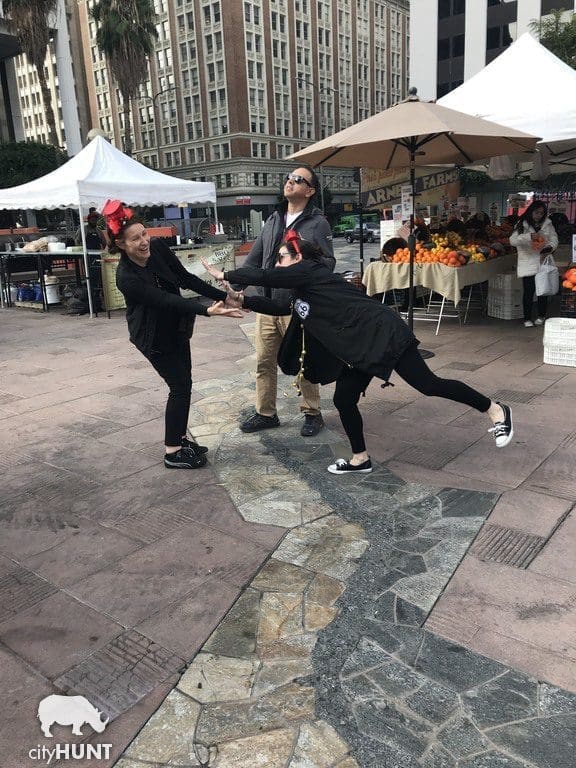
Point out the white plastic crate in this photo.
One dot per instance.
(560, 341)
(505, 297)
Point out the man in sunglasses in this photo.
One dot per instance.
(299, 213)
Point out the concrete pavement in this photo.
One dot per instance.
(115, 573)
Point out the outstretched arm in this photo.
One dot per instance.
(289, 277)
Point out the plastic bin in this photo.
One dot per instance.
(505, 293)
(52, 289)
(560, 341)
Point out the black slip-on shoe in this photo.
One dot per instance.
(256, 422)
(312, 425)
(342, 466)
(184, 459)
(194, 447)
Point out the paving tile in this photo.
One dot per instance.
(161, 573)
(523, 605)
(185, 625)
(556, 560)
(556, 475)
(40, 633)
(528, 511)
(89, 548)
(538, 740)
(21, 589)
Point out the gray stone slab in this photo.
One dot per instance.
(549, 742)
(453, 665)
(492, 760)
(461, 738)
(395, 678)
(554, 701)
(236, 633)
(433, 702)
(407, 613)
(382, 721)
(20, 589)
(366, 655)
(462, 503)
(437, 757)
(512, 696)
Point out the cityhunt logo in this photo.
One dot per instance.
(77, 712)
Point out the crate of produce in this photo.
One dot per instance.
(560, 341)
(568, 292)
(505, 297)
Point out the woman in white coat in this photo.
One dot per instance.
(533, 237)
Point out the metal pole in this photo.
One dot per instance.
(322, 188)
(361, 222)
(86, 265)
(411, 236)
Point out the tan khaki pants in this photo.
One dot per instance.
(269, 333)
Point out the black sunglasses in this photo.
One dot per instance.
(298, 179)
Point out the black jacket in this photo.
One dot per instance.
(348, 327)
(146, 301)
(311, 224)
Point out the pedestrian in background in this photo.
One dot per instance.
(534, 237)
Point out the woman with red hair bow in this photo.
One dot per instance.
(161, 321)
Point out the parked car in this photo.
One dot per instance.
(370, 233)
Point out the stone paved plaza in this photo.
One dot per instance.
(261, 613)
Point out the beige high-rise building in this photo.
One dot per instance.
(237, 85)
(64, 68)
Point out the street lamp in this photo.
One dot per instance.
(156, 120)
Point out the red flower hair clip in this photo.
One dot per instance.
(293, 238)
(116, 215)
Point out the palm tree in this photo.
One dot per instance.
(30, 21)
(125, 35)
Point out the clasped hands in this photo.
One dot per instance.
(234, 299)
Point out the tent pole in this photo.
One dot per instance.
(86, 265)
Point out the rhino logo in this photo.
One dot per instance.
(69, 710)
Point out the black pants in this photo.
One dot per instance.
(529, 285)
(410, 367)
(175, 367)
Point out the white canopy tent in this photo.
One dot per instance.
(98, 173)
(528, 88)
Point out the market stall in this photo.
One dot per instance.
(98, 173)
(447, 281)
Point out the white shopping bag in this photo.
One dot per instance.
(547, 278)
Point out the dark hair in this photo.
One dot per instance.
(528, 215)
(314, 181)
(113, 247)
(308, 251)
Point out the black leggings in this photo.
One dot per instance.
(175, 367)
(410, 367)
(529, 284)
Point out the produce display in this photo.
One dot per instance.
(450, 249)
(569, 279)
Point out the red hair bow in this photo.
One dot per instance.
(116, 215)
(292, 238)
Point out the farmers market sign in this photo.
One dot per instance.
(387, 194)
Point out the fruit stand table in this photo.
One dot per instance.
(448, 282)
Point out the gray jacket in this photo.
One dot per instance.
(312, 225)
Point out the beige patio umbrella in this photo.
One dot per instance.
(415, 133)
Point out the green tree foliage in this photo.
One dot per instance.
(126, 30)
(558, 35)
(25, 161)
(30, 22)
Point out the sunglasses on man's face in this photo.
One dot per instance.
(297, 179)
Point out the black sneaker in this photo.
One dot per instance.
(312, 425)
(194, 447)
(256, 422)
(503, 431)
(184, 459)
(341, 466)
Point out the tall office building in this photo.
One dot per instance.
(452, 40)
(65, 76)
(237, 85)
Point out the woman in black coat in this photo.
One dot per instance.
(337, 333)
(161, 321)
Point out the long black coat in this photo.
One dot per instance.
(343, 326)
(146, 302)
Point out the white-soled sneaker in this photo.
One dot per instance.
(342, 466)
(503, 431)
(540, 321)
(528, 324)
